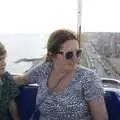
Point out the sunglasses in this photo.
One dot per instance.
(71, 54)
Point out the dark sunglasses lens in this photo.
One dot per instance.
(78, 53)
(69, 55)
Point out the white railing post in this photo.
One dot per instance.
(79, 19)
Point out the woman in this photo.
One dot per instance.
(67, 91)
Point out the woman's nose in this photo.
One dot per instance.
(75, 60)
(74, 57)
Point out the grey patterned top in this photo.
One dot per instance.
(70, 104)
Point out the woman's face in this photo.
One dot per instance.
(69, 54)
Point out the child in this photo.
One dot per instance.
(8, 90)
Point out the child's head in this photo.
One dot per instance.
(2, 58)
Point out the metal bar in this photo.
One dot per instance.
(79, 20)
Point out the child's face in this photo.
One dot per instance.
(2, 64)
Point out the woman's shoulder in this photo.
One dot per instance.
(85, 74)
(91, 83)
(38, 73)
(84, 71)
(41, 67)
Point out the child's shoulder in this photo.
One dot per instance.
(7, 77)
(9, 84)
(6, 73)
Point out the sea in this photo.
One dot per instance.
(23, 46)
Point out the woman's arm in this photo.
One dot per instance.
(21, 80)
(13, 110)
(98, 109)
(35, 75)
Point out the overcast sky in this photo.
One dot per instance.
(101, 15)
(37, 16)
(33, 16)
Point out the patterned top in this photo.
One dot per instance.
(71, 103)
(8, 92)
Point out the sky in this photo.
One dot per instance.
(40, 16)
(101, 15)
(36, 16)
